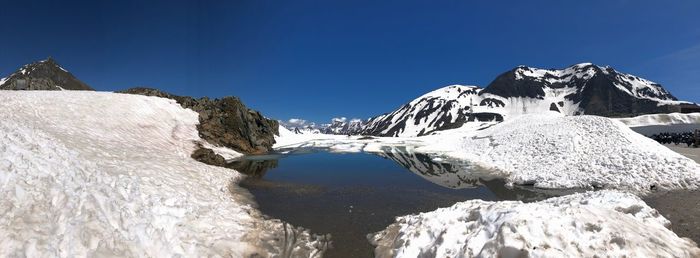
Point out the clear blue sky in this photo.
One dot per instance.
(321, 59)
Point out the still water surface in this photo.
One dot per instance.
(351, 195)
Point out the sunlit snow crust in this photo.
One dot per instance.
(104, 174)
(602, 223)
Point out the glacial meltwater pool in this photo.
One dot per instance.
(351, 195)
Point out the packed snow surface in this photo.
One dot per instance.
(105, 174)
(592, 224)
(661, 119)
(553, 151)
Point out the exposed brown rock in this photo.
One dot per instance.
(208, 156)
(225, 122)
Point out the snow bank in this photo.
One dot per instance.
(570, 152)
(288, 138)
(602, 223)
(104, 174)
(661, 119)
(288, 141)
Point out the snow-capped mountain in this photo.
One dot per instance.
(579, 89)
(445, 108)
(42, 75)
(343, 126)
(305, 130)
(340, 125)
(583, 89)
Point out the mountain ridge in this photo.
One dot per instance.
(583, 88)
(579, 89)
(42, 75)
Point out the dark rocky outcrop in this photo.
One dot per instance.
(42, 75)
(208, 156)
(225, 122)
(601, 91)
(553, 107)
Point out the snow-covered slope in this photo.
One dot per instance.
(550, 151)
(445, 108)
(581, 225)
(105, 174)
(579, 89)
(661, 119)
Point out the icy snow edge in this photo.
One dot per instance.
(661, 119)
(580, 225)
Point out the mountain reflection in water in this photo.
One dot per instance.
(351, 195)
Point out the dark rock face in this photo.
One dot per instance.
(600, 91)
(601, 97)
(485, 116)
(553, 107)
(208, 157)
(491, 102)
(225, 122)
(506, 85)
(42, 75)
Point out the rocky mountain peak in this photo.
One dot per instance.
(42, 75)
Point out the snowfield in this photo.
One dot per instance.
(661, 119)
(546, 150)
(554, 151)
(105, 174)
(663, 123)
(591, 224)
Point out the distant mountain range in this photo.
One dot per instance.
(578, 89)
(43, 75)
(336, 126)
